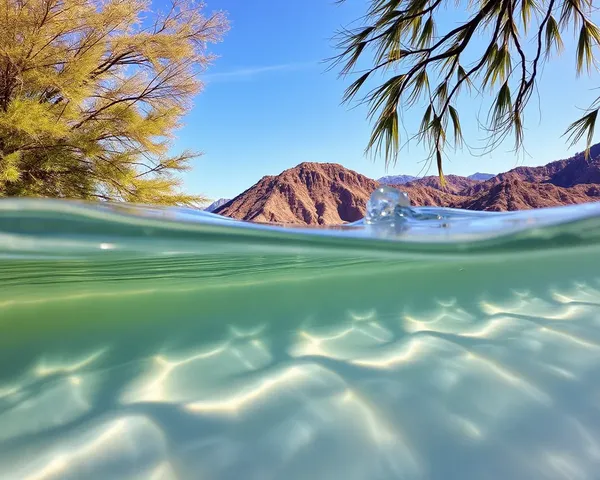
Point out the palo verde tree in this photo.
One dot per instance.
(91, 92)
(497, 48)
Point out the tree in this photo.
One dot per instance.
(91, 92)
(498, 49)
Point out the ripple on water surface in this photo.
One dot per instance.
(166, 344)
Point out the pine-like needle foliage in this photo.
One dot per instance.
(91, 92)
(498, 48)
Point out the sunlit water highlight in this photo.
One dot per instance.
(163, 344)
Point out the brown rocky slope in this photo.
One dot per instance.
(309, 194)
(514, 194)
(328, 194)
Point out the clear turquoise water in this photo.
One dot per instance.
(163, 344)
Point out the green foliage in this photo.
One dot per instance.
(498, 50)
(91, 93)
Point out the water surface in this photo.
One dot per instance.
(166, 344)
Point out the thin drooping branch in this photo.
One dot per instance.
(429, 68)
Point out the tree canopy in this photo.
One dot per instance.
(91, 92)
(497, 48)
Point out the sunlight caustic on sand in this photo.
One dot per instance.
(212, 350)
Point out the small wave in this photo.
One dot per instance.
(59, 228)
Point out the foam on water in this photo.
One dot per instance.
(169, 344)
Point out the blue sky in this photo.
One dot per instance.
(269, 104)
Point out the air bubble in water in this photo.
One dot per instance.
(387, 204)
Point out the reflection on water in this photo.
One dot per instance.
(298, 364)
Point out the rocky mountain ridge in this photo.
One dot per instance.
(216, 204)
(328, 193)
(309, 194)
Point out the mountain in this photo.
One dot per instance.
(396, 179)
(327, 193)
(562, 173)
(309, 194)
(515, 194)
(578, 170)
(216, 204)
(454, 183)
(427, 196)
(404, 179)
(481, 177)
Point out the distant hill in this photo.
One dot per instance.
(327, 193)
(454, 183)
(396, 179)
(481, 177)
(403, 179)
(216, 204)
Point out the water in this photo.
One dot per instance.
(387, 204)
(166, 344)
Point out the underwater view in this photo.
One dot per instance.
(320, 240)
(420, 343)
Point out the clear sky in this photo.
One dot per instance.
(269, 104)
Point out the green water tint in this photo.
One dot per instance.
(164, 345)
